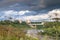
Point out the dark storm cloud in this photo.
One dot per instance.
(32, 4)
(8, 2)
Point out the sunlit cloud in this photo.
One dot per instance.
(36, 17)
(22, 14)
(52, 13)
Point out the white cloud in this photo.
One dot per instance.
(33, 17)
(2, 17)
(52, 13)
(44, 16)
(10, 12)
(23, 12)
(36, 17)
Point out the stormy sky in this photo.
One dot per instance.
(27, 9)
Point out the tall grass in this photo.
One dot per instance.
(13, 33)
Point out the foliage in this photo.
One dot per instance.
(14, 24)
(51, 28)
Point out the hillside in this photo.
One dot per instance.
(20, 25)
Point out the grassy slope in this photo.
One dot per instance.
(11, 31)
